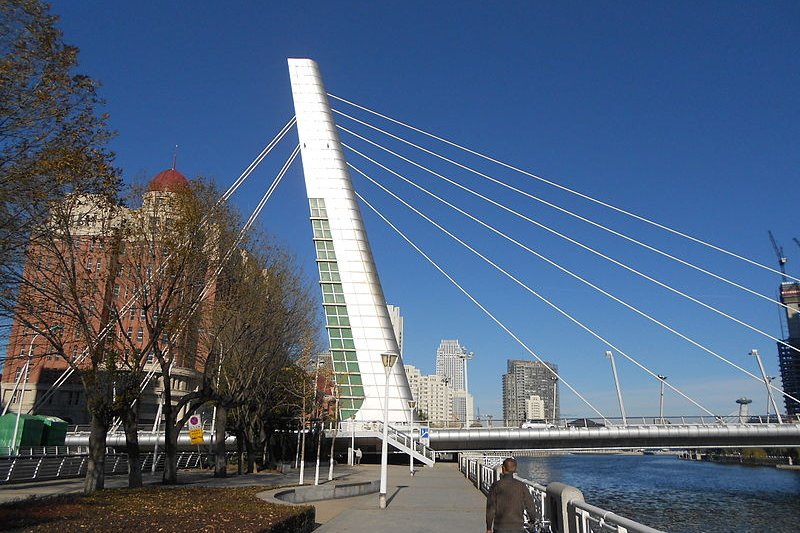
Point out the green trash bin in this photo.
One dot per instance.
(29, 431)
(54, 430)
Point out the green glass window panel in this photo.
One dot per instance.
(344, 321)
(328, 298)
(338, 355)
(348, 343)
(357, 390)
(348, 413)
(355, 379)
(347, 333)
(333, 321)
(337, 343)
(352, 367)
(350, 356)
(358, 403)
(347, 403)
(317, 208)
(339, 367)
(344, 390)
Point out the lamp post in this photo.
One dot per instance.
(336, 418)
(388, 360)
(770, 398)
(411, 405)
(610, 355)
(662, 379)
(351, 455)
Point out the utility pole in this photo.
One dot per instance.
(610, 355)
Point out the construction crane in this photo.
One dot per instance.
(781, 258)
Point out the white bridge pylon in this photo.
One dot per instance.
(357, 319)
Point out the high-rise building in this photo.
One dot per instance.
(525, 379)
(534, 407)
(433, 395)
(397, 325)
(788, 358)
(451, 365)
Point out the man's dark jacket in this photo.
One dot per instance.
(507, 498)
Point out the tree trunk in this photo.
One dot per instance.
(170, 443)
(220, 461)
(251, 452)
(130, 420)
(239, 450)
(95, 472)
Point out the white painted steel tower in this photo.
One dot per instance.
(356, 316)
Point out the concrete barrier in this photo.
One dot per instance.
(328, 491)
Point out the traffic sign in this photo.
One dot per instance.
(425, 435)
(195, 426)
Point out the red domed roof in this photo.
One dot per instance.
(169, 180)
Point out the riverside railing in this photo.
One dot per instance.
(28, 468)
(559, 508)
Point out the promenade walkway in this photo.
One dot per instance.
(437, 499)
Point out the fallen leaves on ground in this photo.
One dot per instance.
(151, 509)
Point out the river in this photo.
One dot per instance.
(679, 496)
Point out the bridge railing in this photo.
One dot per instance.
(558, 508)
(630, 421)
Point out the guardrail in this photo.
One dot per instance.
(559, 508)
(27, 468)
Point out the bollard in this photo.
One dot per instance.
(558, 496)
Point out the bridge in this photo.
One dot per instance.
(360, 331)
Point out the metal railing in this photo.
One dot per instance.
(558, 508)
(630, 421)
(28, 468)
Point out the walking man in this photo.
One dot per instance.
(507, 499)
(358, 456)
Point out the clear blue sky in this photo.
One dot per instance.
(685, 112)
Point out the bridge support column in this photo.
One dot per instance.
(558, 496)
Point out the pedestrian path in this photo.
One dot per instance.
(437, 499)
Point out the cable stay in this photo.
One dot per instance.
(560, 209)
(73, 365)
(532, 291)
(571, 240)
(566, 189)
(481, 307)
(577, 276)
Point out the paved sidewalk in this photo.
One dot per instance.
(437, 499)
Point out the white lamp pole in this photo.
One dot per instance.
(351, 456)
(610, 355)
(388, 360)
(411, 405)
(662, 379)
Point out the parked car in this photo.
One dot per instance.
(536, 423)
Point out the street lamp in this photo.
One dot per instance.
(662, 379)
(388, 360)
(610, 355)
(411, 405)
(770, 398)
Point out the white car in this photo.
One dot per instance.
(536, 423)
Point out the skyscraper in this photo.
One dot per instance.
(451, 365)
(525, 379)
(397, 325)
(788, 358)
